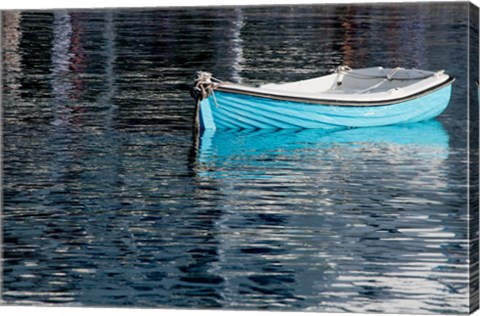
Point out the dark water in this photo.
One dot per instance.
(109, 200)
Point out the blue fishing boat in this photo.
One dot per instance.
(346, 98)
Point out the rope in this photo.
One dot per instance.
(388, 77)
(203, 86)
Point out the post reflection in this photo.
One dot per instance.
(12, 59)
(237, 48)
(62, 83)
(229, 52)
(106, 98)
(352, 40)
(77, 55)
(359, 30)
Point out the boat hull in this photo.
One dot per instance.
(227, 110)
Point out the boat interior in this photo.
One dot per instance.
(368, 84)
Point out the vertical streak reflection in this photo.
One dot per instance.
(237, 48)
(62, 84)
(349, 27)
(110, 52)
(12, 36)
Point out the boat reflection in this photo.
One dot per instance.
(340, 214)
(263, 153)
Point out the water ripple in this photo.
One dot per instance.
(110, 200)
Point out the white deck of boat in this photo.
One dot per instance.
(368, 84)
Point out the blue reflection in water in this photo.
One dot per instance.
(227, 153)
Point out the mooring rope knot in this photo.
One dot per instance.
(204, 85)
